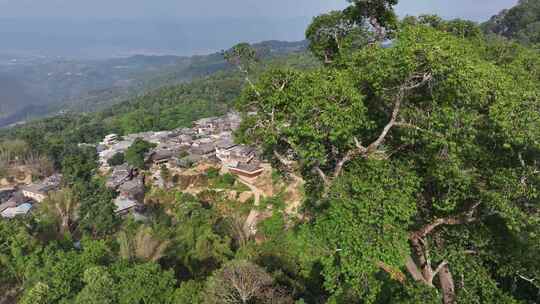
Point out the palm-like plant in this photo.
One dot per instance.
(144, 245)
(62, 207)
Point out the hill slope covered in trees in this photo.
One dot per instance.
(521, 22)
(37, 87)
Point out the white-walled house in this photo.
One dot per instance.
(13, 212)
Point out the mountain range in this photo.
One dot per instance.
(32, 86)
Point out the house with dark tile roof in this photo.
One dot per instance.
(247, 170)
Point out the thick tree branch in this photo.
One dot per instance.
(417, 128)
(464, 218)
(530, 280)
(439, 268)
(283, 160)
(411, 84)
(248, 80)
(352, 154)
(446, 281)
(412, 268)
(421, 269)
(253, 87)
(428, 270)
(323, 176)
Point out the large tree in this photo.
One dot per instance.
(335, 33)
(62, 207)
(448, 111)
(378, 13)
(96, 211)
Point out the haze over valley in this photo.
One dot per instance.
(65, 56)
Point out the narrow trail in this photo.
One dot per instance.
(250, 226)
(297, 183)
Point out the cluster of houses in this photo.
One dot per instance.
(20, 201)
(209, 140)
(130, 186)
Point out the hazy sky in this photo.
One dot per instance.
(99, 28)
(477, 9)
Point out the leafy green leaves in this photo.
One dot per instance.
(467, 133)
(334, 34)
(136, 153)
(369, 210)
(520, 22)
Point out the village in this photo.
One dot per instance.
(183, 152)
(209, 142)
(19, 201)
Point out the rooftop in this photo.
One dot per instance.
(15, 211)
(123, 203)
(249, 168)
(203, 149)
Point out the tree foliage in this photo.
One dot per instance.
(458, 27)
(62, 209)
(136, 154)
(378, 13)
(333, 33)
(365, 226)
(521, 22)
(457, 115)
(117, 159)
(337, 33)
(96, 209)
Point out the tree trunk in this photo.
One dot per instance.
(447, 285)
(379, 30)
(64, 227)
(413, 270)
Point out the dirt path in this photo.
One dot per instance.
(250, 226)
(294, 195)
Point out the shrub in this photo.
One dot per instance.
(183, 154)
(117, 159)
(225, 181)
(135, 154)
(212, 173)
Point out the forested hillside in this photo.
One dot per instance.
(37, 87)
(401, 164)
(521, 22)
(166, 108)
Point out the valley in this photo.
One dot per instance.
(33, 87)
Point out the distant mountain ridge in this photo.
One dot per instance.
(44, 86)
(103, 38)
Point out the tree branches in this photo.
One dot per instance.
(243, 56)
(421, 269)
(283, 160)
(464, 218)
(352, 154)
(413, 82)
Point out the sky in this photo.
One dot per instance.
(112, 27)
(130, 9)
